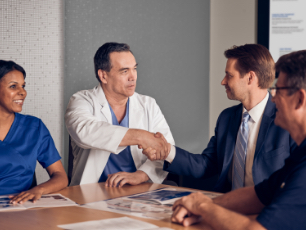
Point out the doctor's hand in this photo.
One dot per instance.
(151, 153)
(145, 139)
(121, 178)
(156, 146)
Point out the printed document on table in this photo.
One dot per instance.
(125, 223)
(49, 200)
(155, 204)
(166, 195)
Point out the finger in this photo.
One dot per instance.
(179, 214)
(147, 151)
(162, 137)
(150, 153)
(123, 182)
(117, 180)
(15, 199)
(140, 147)
(36, 197)
(191, 220)
(26, 198)
(167, 150)
(109, 177)
(112, 179)
(176, 204)
(157, 135)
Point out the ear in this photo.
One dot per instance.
(102, 76)
(252, 77)
(301, 97)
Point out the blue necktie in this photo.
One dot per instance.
(240, 153)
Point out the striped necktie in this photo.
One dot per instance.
(240, 153)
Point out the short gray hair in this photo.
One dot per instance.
(294, 66)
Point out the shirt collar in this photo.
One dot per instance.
(257, 111)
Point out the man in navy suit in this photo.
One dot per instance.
(243, 152)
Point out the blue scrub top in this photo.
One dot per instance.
(28, 140)
(284, 194)
(122, 162)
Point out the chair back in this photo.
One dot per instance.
(70, 161)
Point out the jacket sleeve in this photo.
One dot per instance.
(157, 123)
(196, 165)
(87, 130)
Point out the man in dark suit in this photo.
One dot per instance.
(247, 146)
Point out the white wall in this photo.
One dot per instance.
(232, 22)
(31, 35)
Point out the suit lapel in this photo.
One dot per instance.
(105, 110)
(267, 119)
(235, 121)
(136, 113)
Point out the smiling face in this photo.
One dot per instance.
(12, 92)
(235, 85)
(120, 81)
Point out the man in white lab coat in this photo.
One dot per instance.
(108, 123)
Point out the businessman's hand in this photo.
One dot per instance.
(152, 153)
(145, 139)
(156, 148)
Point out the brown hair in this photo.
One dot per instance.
(254, 57)
(294, 66)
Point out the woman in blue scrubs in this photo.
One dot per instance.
(24, 140)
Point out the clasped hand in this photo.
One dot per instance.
(157, 148)
(188, 210)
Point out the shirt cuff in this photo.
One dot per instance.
(171, 155)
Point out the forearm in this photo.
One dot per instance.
(222, 219)
(132, 137)
(242, 200)
(190, 164)
(154, 171)
(57, 182)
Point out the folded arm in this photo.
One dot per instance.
(220, 213)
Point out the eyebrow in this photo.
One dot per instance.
(15, 82)
(126, 68)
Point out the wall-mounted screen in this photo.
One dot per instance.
(282, 26)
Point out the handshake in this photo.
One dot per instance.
(155, 146)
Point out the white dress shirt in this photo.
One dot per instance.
(254, 125)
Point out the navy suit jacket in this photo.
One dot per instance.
(273, 146)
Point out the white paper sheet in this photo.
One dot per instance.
(120, 223)
(49, 200)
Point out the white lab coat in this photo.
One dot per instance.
(93, 137)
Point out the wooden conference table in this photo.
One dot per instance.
(49, 218)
